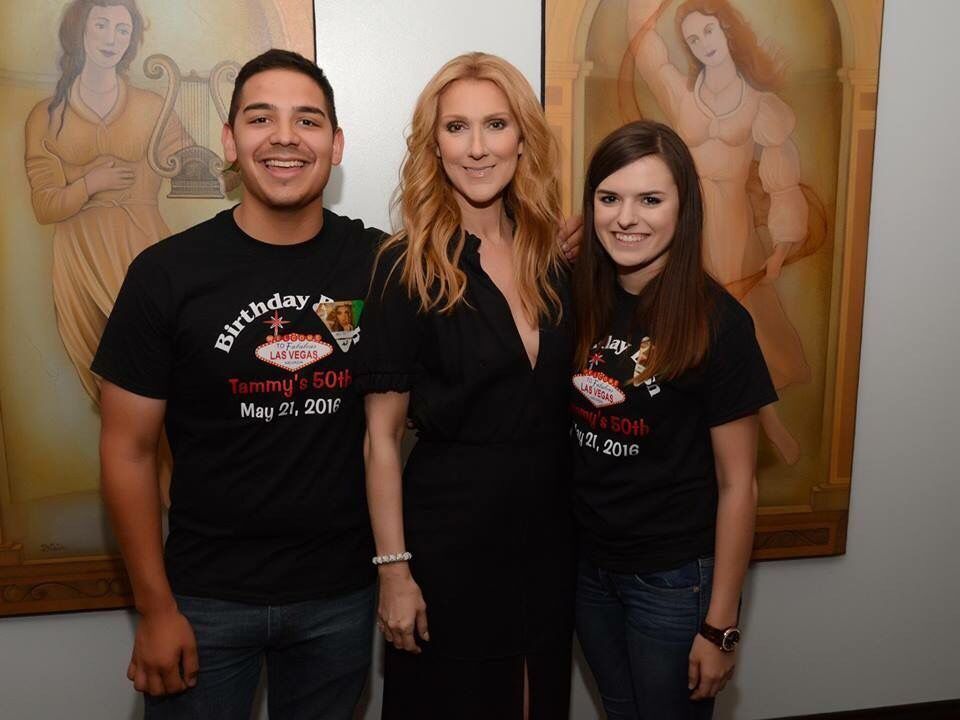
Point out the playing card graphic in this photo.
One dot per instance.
(640, 358)
(291, 351)
(341, 318)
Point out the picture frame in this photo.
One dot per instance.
(608, 62)
(65, 254)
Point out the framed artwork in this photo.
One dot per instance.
(115, 107)
(777, 100)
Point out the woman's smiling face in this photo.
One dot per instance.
(635, 211)
(106, 35)
(478, 140)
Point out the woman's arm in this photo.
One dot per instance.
(54, 198)
(650, 54)
(401, 607)
(780, 175)
(735, 455)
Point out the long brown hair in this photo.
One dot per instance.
(674, 307)
(431, 238)
(763, 70)
(72, 26)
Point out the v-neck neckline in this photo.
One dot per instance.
(532, 364)
(706, 109)
(89, 114)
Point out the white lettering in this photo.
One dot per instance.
(260, 412)
(253, 310)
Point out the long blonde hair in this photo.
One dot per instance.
(431, 236)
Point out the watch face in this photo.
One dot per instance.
(730, 639)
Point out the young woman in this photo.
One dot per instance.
(466, 330)
(669, 383)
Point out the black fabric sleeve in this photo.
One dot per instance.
(738, 382)
(137, 346)
(391, 330)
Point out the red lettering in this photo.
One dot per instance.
(629, 427)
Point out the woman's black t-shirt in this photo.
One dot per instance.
(644, 478)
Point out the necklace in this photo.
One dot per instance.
(702, 88)
(97, 92)
(730, 82)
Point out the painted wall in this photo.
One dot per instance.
(875, 627)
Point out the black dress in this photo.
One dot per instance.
(486, 498)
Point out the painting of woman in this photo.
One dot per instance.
(729, 114)
(86, 160)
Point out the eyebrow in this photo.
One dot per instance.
(312, 109)
(491, 116)
(645, 193)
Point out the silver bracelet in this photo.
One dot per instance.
(387, 559)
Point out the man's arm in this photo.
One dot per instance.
(129, 435)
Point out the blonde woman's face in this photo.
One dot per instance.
(705, 38)
(478, 140)
(106, 35)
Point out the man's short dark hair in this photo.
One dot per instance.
(275, 59)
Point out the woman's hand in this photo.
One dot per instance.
(402, 608)
(108, 177)
(570, 236)
(774, 264)
(709, 669)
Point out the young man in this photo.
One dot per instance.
(220, 333)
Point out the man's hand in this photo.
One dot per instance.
(709, 670)
(164, 658)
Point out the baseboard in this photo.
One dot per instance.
(945, 710)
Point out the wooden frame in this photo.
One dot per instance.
(42, 575)
(815, 522)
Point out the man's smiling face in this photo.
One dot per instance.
(283, 140)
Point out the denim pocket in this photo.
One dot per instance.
(684, 579)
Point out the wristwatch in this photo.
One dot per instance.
(726, 640)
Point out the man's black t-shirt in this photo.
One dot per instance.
(252, 345)
(644, 476)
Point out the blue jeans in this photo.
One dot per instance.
(317, 655)
(636, 632)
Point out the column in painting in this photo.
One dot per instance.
(559, 103)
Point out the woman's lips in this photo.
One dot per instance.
(478, 172)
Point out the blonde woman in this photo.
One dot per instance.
(466, 331)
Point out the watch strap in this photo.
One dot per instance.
(721, 638)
